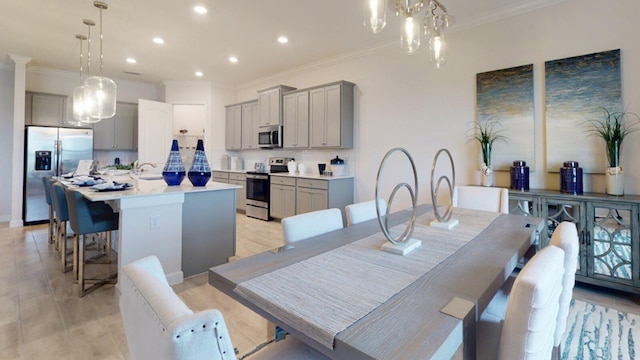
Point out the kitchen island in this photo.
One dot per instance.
(190, 229)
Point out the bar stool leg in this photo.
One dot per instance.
(51, 234)
(81, 263)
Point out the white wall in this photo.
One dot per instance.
(402, 101)
(6, 143)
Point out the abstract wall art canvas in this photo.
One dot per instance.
(507, 96)
(576, 89)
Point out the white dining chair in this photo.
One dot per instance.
(565, 236)
(364, 211)
(158, 325)
(527, 331)
(481, 198)
(304, 226)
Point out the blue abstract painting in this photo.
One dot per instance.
(576, 89)
(506, 95)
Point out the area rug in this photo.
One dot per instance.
(597, 332)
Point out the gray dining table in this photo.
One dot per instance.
(427, 318)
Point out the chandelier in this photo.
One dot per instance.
(436, 21)
(99, 95)
(79, 114)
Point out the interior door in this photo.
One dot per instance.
(155, 131)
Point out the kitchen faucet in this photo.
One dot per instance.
(137, 166)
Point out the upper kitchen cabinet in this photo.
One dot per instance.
(44, 109)
(233, 131)
(250, 124)
(296, 120)
(119, 132)
(331, 115)
(270, 101)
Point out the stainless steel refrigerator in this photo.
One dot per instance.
(50, 151)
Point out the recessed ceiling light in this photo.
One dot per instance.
(199, 73)
(158, 40)
(131, 60)
(283, 40)
(200, 9)
(233, 59)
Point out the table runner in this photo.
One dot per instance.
(325, 294)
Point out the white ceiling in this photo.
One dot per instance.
(317, 30)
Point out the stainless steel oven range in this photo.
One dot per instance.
(258, 186)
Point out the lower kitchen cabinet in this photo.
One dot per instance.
(319, 194)
(282, 197)
(607, 228)
(220, 176)
(241, 194)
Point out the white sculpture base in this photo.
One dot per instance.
(402, 248)
(445, 225)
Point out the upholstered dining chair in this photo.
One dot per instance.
(363, 211)
(304, 226)
(527, 331)
(158, 325)
(88, 218)
(481, 198)
(47, 181)
(565, 236)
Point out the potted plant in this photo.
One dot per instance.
(613, 127)
(486, 133)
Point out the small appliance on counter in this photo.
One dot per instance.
(258, 185)
(337, 166)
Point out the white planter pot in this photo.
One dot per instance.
(614, 181)
(486, 176)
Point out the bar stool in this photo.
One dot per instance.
(61, 211)
(47, 181)
(87, 218)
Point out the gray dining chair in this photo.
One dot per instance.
(159, 325)
(61, 213)
(363, 211)
(481, 198)
(527, 331)
(304, 226)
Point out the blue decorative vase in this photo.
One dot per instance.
(199, 172)
(173, 172)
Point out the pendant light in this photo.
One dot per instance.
(100, 91)
(78, 93)
(436, 21)
(375, 15)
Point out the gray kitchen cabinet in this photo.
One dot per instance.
(270, 102)
(607, 230)
(331, 115)
(282, 199)
(45, 109)
(233, 130)
(319, 194)
(119, 132)
(220, 176)
(250, 124)
(296, 120)
(241, 194)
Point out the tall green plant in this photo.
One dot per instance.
(486, 133)
(613, 128)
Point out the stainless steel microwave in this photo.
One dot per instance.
(270, 137)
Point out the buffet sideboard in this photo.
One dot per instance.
(607, 229)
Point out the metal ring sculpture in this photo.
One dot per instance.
(408, 231)
(434, 192)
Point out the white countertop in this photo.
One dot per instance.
(148, 188)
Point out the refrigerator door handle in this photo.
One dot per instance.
(57, 147)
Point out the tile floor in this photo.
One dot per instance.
(42, 317)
